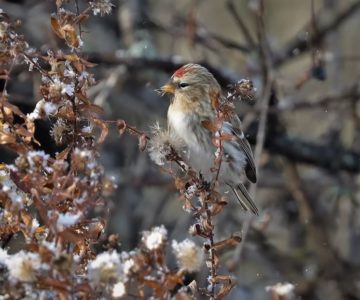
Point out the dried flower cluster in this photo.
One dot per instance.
(144, 271)
(48, 200)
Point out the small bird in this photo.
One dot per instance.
(192, 88)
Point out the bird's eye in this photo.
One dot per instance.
(183, 84)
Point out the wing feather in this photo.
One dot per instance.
(250, 169)
(244, 198)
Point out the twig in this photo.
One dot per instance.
(37, 66)
(78, 13)
(300, 44)
(212, 249)
(349, 92)
(245, 31)
(293, 183)
(4, 89)
(202, 37)
(264, 109)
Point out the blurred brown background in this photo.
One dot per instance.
(308, 232)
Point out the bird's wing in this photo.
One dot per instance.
(250, 169)
(244, 198)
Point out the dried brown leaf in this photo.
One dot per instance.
(14, 109)
(104, 130)
(64, 154)
(56, 27)
(172, 279)
(22, 131)
(87, 64)
(221, 278)
(83, 97)
(26, 217)
(59, 3)
(224, 291)
(59, 286)
(7, 138)
(121, 126)
(217, 208)
(80, 18)
(71, 57)
(30, 125)
(142, 142)
(18, 148)
(230, 242)
(70, 36)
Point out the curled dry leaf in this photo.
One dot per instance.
(225, 290)
(230, 242)
(221, 278)
(121, 126)
(14, 109)
(142, 142)
(173, 279)
(71, 36)
(56, 27)
(64, 154)
(104, 130)
(218, 206)
(7, 138)
(80, 18)
(66, 32)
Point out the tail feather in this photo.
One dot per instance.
(244, 198)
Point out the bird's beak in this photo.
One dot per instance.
(168, 88)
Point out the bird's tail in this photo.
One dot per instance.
(244, 198)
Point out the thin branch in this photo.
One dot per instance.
(242, 26)
(4, 92)
(268, 82)
(212, 249)
(78, 14)
(349, 92)
(168, 64)
(203, 37)
(38, 67)
(302, 42)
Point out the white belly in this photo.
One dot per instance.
(184, 125)
(200, 157)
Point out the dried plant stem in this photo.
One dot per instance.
(209, 215)
(38, 67)
(75, 124)
(212, 251)
(78, 14)
(4, 89)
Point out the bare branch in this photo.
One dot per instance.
(301, 43)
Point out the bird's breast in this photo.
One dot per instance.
(188, 127)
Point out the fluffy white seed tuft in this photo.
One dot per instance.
(189, 256)
(155, 238)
